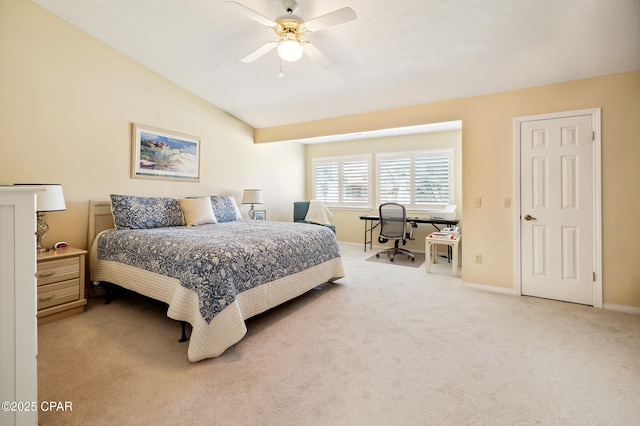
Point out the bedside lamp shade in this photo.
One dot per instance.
(51, 199)
(252, 196)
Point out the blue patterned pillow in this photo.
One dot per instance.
(225, 208)
(131, 212)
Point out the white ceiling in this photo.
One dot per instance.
(396, 53)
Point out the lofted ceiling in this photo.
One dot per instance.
(396, 53)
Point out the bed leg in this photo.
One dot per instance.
(184, 337)
(108, 293)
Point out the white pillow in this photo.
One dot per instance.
(197, 211)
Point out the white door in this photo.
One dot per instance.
(557, 209)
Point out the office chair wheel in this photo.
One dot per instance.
(377, 254)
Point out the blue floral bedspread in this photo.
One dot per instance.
(221, 260)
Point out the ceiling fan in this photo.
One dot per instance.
(290, 29)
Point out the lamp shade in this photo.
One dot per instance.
(49, 200)
(252, 196)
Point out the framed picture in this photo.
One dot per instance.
(161, 154)
(261, 215)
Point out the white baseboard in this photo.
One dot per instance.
(348, 243)
(621, 308)
(502, 290)
(493, 289)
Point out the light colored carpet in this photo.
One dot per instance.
(384, 346)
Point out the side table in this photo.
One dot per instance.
(430, 257)
(60, 284)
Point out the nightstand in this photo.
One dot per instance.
(60, 284)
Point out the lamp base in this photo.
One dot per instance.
(41, 229)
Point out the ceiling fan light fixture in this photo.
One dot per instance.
(290, 50)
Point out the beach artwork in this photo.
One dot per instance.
(160, 154)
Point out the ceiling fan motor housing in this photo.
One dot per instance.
(290, 24)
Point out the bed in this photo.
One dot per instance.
(214, 270)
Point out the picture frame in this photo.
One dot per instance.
(261, 215)
(163, 154)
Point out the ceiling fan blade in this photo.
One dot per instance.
(243, 10)
(336, 17)
(259, 52)
(317, 55)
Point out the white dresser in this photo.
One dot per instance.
(18, 326)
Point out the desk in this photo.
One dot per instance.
(454, 244)
(371, 222)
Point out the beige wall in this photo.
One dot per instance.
(67, 103)
(349, 228)
(487, 170)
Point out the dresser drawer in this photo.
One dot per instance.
(53, 271)
(57, 293)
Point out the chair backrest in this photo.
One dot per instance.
(300, 209)
(393, 219)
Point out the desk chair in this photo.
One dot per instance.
(393, 225)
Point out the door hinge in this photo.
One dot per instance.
(593, 136)
(594, 277)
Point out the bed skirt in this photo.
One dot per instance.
(226, 328)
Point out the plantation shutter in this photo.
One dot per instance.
(395, 180)
(355, 181)
(343, 181)
(327, 182)
(419, 180)
(432, 180)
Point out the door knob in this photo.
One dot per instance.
(529, 217)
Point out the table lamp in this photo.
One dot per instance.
(252, 196)
(51, 199)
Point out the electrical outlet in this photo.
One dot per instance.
(507, 202)
(478, 258)
(478, 202)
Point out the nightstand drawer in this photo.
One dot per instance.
(60, 284)
(61, 292)
(57, 270)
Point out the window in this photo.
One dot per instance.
(343, 181)
(420, 180)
